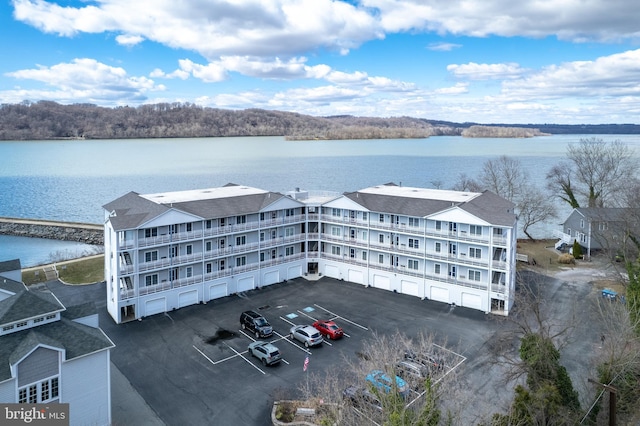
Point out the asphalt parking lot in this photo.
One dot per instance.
(191, 365)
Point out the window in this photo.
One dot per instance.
(381, 217)
(273, 234)
(414, 243)
(37, 320)
(262, 236)
(208, 268)
(438, 247)
(365, 236)
(289, 212)
(364, 215)
(151, 256)
(241, 240)
(475, 252)
(173, 251)
(581, 223)
(241, 219)
(274, 215)
(289, 232)
(364, 255)
(453, 227)
(474, 275)
(436, 269)
(208, 224)
(412, 264)
(352, 253)
(438, 225)
(173, 229)
(222, 221)
(207, 245)
(189, 249)
(381, 238)
(52, 316)
(453, 249)
(381, 258)
(262, 216)
(241, 261)
(335, 250)
(261, 256)
(336, 231)
(414, 221)
(475, 230)
(35, 393)
(150, 232)
(151, 280)
(189, 227)
(221, 265)
(21, 324)
(189, 271)
(288, 251)
(336, 212)
(7, 327)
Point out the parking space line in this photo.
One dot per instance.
(308, 316)
(220, 360)
(342, 318)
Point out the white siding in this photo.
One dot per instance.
(8, 392)
(155, 306)
(85, 385)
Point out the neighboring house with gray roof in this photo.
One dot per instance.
(49, 354)
(169, 250)
(601, 229)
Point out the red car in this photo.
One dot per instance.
(328, 328)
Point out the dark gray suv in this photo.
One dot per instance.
(256, 323)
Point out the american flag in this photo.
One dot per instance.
(306, 364)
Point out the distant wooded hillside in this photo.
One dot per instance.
(50, 120)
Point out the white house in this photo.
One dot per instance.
(169, 250)
(52, 354)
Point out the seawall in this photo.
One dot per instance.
(88, 233)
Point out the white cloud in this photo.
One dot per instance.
(454, 90)
(614, 75)
(210, 73)
(129, 40)
(473, 71)
(443, 47)
(88, 79)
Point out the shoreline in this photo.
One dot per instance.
(87, 233)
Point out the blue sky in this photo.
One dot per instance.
(486, 61)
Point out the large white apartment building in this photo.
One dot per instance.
(169, 250)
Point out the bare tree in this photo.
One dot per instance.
(505, 177)
(600, 170)
(533, 208)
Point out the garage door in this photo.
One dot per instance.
(294, 272)
(382, 282)
(155, 306)
(216, 291)
(331, 271)
(440, 294)
(271, 278)
(356, 276)
(187, 298)
(245, 284)
(471, 301)
(410, 287)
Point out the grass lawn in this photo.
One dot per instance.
(79, 271)
(542, 251)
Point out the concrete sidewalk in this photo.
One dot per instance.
(127, 406)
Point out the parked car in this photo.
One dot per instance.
(306, 334)
(383, 382)
(251, 320)
(329, 328)
(412, 372)
(265, 352)
(361, 398)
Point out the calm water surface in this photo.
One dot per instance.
(71, 180)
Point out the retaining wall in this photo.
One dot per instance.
(87, 233)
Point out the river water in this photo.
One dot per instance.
(71, 180)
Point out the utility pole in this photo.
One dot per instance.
(612, 401)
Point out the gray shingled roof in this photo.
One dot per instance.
(76, 339)
(607, 214)
(10, 265)
(487, 206)
(491, 208)
(27, 304)
(132, 210)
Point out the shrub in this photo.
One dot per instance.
(566, 259)
(577, 249)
